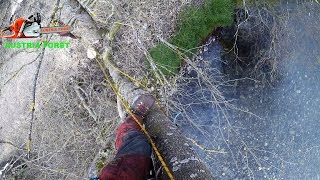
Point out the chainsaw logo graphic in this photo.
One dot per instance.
(31, 28)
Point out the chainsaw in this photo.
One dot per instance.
(31, 28)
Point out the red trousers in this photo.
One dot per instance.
(132, 161)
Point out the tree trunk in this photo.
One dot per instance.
(176, 150)
(173, 146)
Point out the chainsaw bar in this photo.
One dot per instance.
(48, 30)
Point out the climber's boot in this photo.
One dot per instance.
(142, 104)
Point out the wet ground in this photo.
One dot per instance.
(275, 131)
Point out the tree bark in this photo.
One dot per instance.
(176, 150)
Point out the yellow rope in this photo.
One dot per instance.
(28, 146)
(127, 109)
(124, 104)
(154, 147)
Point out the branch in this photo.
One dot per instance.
(10, 143)
(84, 103)
(20, 69)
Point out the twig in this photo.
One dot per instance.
(41, 55)
(34, 89)
(10, 143)
(20, 69)
(84, 103)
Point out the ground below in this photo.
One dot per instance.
(273, 130)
